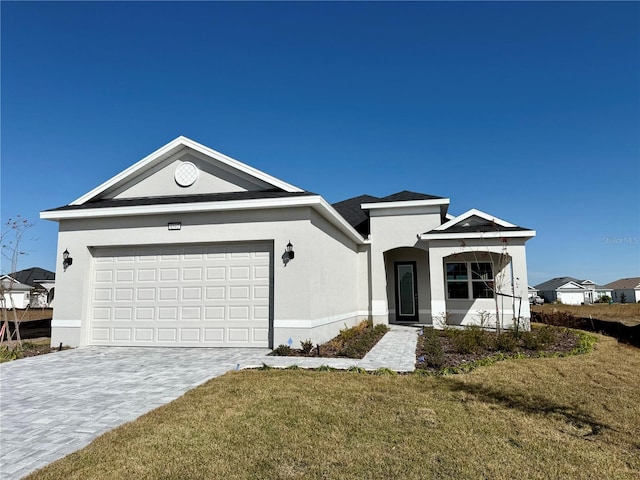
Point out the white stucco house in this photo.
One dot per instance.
(571, 291)
(627, 289)
(189, 247)
(14, 294)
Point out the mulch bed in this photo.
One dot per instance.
(354, 342)
(565, 341)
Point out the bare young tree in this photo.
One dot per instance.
(12, 233)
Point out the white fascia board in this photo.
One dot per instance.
(463, 236)
(471, 213)
(314, 201)
(408, 203)
(571, 286)
(163, 152)
(174, 147)
(235, 164)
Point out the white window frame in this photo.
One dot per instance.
(470, 280)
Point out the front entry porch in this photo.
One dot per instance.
(408, 291)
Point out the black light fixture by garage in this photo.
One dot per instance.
(288, 254)
(66, 260)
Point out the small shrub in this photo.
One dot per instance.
(325, 368)
(356, 369)
(9, 354)
(530, 341)
(468, 340)
(306, 346)
(384, 371)
(359, 345)
(506, 342)
(433, 352)
(282, 351)
(479, 335)
(545, 335)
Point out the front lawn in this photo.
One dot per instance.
(574, 417)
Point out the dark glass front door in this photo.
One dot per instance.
(406, 292)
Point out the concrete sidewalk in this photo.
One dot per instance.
(55, 404)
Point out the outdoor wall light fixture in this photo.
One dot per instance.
(288, 254)
(66, 260)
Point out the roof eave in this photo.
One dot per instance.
(314, 201)
(408, 203)
(459, 236)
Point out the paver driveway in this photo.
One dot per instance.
(55, 404)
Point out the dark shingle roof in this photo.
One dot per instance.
(353, 214)
(406, 195)
(205, 197)
(359, 219)
(556, 282)
(625, 284)
(31, 275)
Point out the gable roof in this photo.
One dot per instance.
(407, 196)
(171, 149)
(355, 210)
(33, 275)
(475, 223)
(15, 285)
(554, 283)
(632, 283)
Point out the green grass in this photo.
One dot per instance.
(574, 417)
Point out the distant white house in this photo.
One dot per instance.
(32, 287)
(625, 290)
(571, 291)
(14, 293)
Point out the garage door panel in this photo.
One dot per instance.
(206, 295)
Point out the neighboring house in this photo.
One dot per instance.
(630, 287)
(14, 293)
(571, 291)
(42, 283)
(189, 247)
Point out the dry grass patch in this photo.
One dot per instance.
(575, 417)
(626, 313)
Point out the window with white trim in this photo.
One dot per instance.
(469, 280)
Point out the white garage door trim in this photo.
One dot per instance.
(204, 295)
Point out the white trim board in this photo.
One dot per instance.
(172, 148)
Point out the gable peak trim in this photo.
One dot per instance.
(172, 148)
(471, 213)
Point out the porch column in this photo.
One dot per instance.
(438, 297)
(379, 302)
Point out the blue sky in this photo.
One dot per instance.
(527, 111)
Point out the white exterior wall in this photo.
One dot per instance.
(393, 228)
(336, 285)
(293, 285)
(632, 295)
(468, 312)
(211, 178)
(571, 298)
(20, 299)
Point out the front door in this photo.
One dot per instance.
(406, 292)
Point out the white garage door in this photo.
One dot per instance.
(203, 295)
